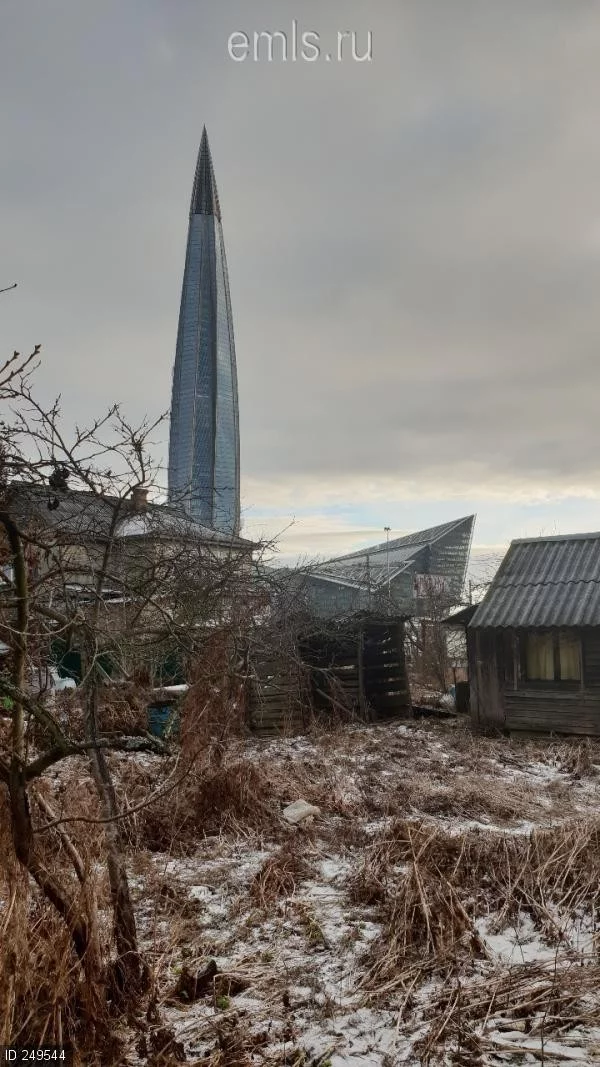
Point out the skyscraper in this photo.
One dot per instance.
(204, 444)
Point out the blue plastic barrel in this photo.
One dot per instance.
(163, 720)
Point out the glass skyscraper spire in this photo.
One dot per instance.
(204, 444)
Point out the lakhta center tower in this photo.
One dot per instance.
(204, 444)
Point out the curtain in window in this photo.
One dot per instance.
(540, 657)
(570, 659)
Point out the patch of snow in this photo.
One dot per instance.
(515, 944)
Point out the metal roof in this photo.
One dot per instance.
(405, 546)
(382, 574)
(373, 566)
(460, 618)
(545, 581)
(363, 572)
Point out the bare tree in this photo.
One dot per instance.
(91, 567)
(428, 637)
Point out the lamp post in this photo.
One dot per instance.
(387, 559)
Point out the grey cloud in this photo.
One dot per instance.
(413, 244)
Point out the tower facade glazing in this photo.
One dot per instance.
(204, 443)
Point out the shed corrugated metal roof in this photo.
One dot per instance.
(551, 581)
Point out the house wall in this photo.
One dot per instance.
(402, 592)
(501, 700)
(486, 669)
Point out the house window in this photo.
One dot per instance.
(552, 656)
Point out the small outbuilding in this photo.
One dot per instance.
(352, 668)
(533, 643)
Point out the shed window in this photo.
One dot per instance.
(552, 657)
(540, 657)
(570, 658)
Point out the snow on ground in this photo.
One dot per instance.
(297, 944)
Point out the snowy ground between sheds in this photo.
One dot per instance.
(441, 909)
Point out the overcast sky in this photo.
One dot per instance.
(413, 245)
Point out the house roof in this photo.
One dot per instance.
(84, 515)
(545, 581)
(412, 540)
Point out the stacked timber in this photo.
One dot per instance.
(358, 668)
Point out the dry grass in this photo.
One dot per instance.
(45, 998)
(543, 1002)
(424, 876)
(479, 799)
(223, 793)
(278, 877)
(124, 710)
(429, 907)
(396, 812)
(210, 800)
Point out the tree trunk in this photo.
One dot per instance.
(74, 916)
(130, 974)
(77, 922)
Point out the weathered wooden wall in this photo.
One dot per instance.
(548, 711)
(591, 658)
(487, 705)
(278, 699)
(501, 700)
(353, 672)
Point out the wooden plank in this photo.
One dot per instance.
(385, 685)
(551, 712)
(392, 700)
(591, 657)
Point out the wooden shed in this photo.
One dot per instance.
(534, 641)
(350, 669)
(358, 664)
